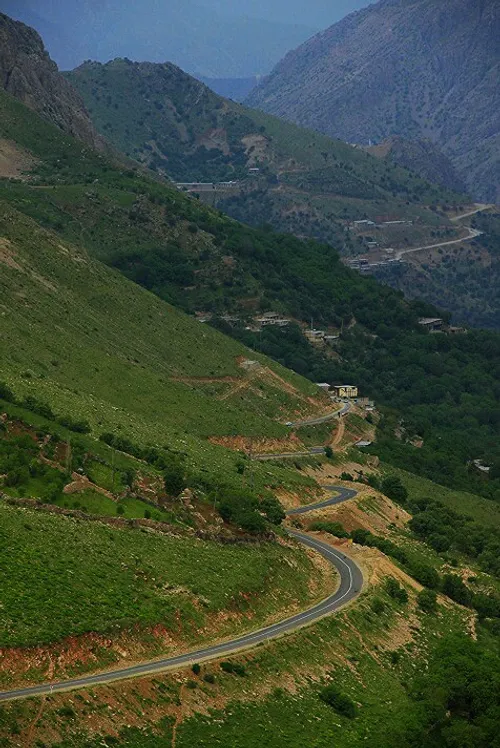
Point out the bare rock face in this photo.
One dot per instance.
(28, 73)
(419, 69)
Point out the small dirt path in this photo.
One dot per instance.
(178, 719)
(478, 209)
(339, 434)
(31, 730)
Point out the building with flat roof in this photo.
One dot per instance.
(432, 324)
(345, 390)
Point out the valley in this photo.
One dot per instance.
(248, 494)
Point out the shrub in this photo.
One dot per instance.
(209, 678)
(346, 476)
(427, 601)
(6, 393)
(377, 605)
(455, 589)
(196, 668)
(426, 575)
(191, 684)
(329, 452)
(273, 510)
(395, 590)
(233, 667)
(394, 489)
(361, 537)
(333, 528)
(339, 701)
(66, 711)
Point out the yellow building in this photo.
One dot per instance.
(345, 390)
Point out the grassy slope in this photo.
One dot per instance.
(94, 345)
(68, 577)
(482, 510)
(89, 342)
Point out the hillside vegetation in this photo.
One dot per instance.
(201, 260)
(423, 69)
(307, 183)
(463, 278)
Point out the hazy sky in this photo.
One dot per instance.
(215, 38)
(317, 13)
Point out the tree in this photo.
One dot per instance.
(173, 477)
(393, 487)
(395, 590)
(454, 588)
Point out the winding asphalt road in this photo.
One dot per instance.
(313, 450)
(351, 582)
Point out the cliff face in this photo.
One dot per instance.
(420, 69)
(28, 73)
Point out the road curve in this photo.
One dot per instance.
(351, 582)
(343, 494)
(323, 419)
(473, 234)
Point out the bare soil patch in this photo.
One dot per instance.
(14, 161)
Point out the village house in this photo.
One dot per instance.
(432, 324)
(272, 318)
(345, 390)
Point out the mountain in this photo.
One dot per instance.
(189, 32)
(211, 266)
(307, 184)
(28, 73)
(417, 69)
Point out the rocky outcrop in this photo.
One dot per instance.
(421, 69)
(28, 73)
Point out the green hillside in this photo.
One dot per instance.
(93, 345)
(308, 184)
(126, 577)
(203, 261)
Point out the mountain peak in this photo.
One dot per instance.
(28, 73)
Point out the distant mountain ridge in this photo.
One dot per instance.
(417, 68)
(300, 182)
